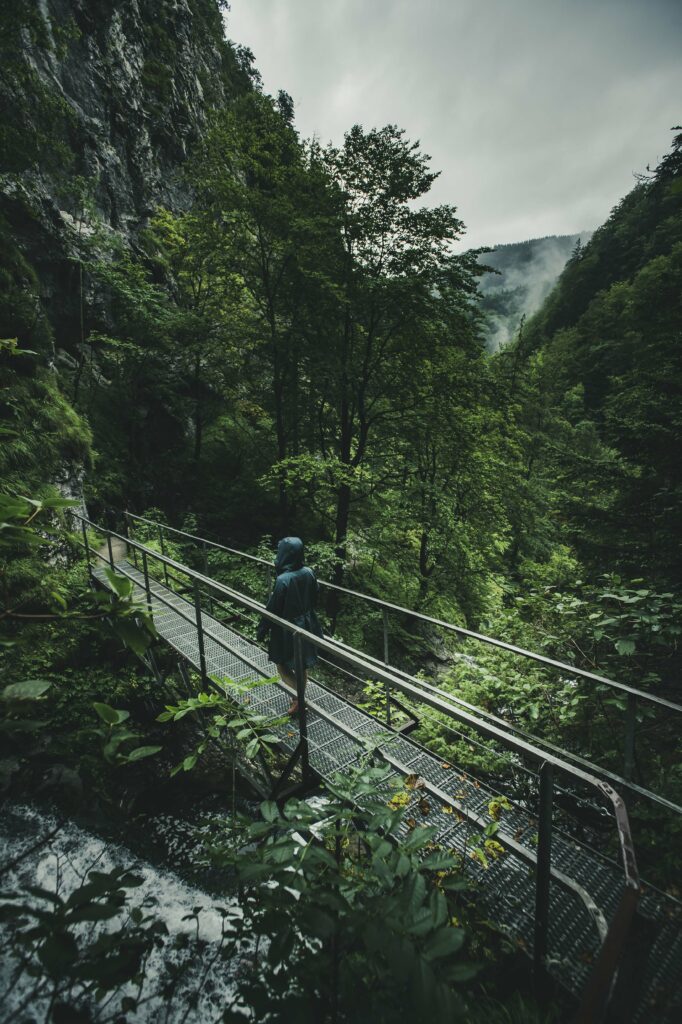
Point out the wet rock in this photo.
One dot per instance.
(137, 80)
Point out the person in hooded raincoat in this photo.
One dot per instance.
(293, 598)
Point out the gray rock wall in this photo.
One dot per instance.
(137, 78)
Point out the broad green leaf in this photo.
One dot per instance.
(132, 635)
(455, 884)
(95, 912)
(121, 584)
(464, 972)
(139, 752)
(420, 922)
(110, 715)
(27, 689)
(57, 953)
(444, 942)
(55, 504)
(269, 810)
(13, 508)
(45, 894)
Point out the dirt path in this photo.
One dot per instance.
(119, 549)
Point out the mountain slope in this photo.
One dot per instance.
(526, 273)
(604, 417)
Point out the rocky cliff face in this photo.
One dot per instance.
(104, 101)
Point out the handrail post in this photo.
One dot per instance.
(630, 723)
(268, 579)
(86, 544)
(111, 553)
(148, 592)
(299, 670)
(200, 633)
(543, 868)
(131, 535)
(205, 561)
(387, 688)
(163, 552)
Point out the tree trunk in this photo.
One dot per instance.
(425, 569)
(198, 417)
(198, 430)
(340, 537)
(278, 389)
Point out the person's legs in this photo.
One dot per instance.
(289, 677)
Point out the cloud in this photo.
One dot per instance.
(537, 112)
(527, 274)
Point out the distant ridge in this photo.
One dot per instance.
(527, 272)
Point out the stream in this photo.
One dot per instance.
(188, 973)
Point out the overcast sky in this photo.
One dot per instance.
(536, 112)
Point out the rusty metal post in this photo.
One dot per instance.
(387, 688)
(630, 725)
(162, 545)
(543, 868)
(299, 670)
(147, 588)
(86, 545)
(205, 561)
(200, 633)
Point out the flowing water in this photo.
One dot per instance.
(189, 974)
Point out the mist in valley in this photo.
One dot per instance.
(526, 273)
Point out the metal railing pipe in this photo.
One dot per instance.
(543, 867)
(583, 762)
(301, 678)
(613, 941)
(145, 570)
(85, 542)
(200, 632)
(542, 659)
(406, 684)
(162, 545)
(630, 726)
(409, 687)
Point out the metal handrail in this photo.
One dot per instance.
(616, 936)
(573, 670)
(409, 685)
(489, 716)
(634, 695)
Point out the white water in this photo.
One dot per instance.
(62, 865)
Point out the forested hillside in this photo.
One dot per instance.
(525, 274)
(606, 348)
(211, 321)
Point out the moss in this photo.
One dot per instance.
(36, 117)
(157, 79)
(21, 316)
(43, 437)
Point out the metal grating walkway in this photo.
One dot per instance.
(507, 890)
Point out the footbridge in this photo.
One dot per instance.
(567, 893)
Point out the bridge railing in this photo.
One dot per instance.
(612, 934)
(635, 698)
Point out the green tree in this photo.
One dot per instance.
(399, 289)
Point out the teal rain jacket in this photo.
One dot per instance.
(293, 598)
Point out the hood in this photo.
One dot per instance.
(289, 555)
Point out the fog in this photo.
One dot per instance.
(537, 112)
(529, 271)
